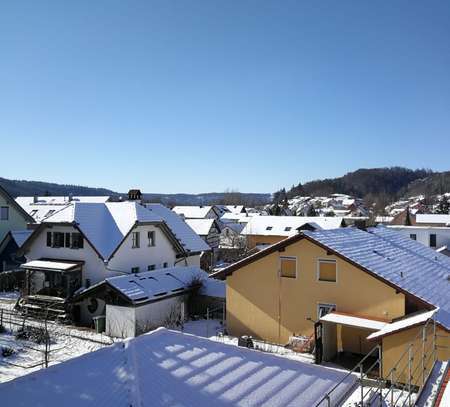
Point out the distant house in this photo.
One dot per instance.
(84, 243)
(231, 237)
(12, 215)
(349, 288)
(207, 229)
(168, 368)
(9, 249)
(262, 231)
(197, 212)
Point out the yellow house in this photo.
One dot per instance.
(357, 282)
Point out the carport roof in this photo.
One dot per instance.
(354, 321)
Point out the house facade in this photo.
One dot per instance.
(12, 216)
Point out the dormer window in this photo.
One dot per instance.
(269, 227)
(135, 240)
(287, 228)
(151, 238)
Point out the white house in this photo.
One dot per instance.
(84, 243)
(197, 212)
(435, 237)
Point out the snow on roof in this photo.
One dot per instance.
(49, 265)
(42, 211)
(354, 321)
(168, 368)
(213, 288)
(20, 236)
(403, 324)
(200, 226)
(235, 208)
(408, 264)
(433, 218)
(25, 201)
(192, 212)
(237, 217)
(287, 225)
(236, 227)
(183, 232)
(149, 285)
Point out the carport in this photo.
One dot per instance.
(346, 333)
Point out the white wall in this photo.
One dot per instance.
(423, 234)
(127, 257)
(125, 322)
(120, 321)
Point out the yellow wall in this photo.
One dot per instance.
(261, 304)
(395, 345)
(254, 240)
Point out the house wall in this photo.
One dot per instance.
(16, 220)
(213, 237)
(396, 344)
(127, 257)
(93, 269)
(124, 322)
(423, 234)
(264, 305)
(255, 240)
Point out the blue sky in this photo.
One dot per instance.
(198, 96)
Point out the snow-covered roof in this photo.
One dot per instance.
(49, 265)
(405, 263)
(200, 226)
(287, 225)
(351, 320)
(236, 227)
(237, 217)
(168, 368)
(235, 208)
(433, 218)
(149, 285)
(20, 236)
(403, 323)
(183, 232)
(25, 201)
(213, 288)
(192, 212)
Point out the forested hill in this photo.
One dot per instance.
(375, 184)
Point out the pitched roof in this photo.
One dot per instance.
(288, 225)
(192, 212)
(433, 219)
(8, 198)
(165, 368)
(201, 226)
(183, 232)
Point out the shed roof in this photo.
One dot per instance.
(50, 265)
(168, 368)
(353, 320)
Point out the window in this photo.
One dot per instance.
(135, 240)
(151, 267)
(413, 236)
(324, 309)
(432, 240)
(88, 282)
(135, 270)
(58, 239)
(269, 227)
(327, 271)
(287, 228)
(49, 239)
(288, 267)
(165, 265)
(4, 213)
(67, 242)
(77, 241)
(151, 238)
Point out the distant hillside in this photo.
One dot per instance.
(30, 188)
(375, 185)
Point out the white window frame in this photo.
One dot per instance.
(135, 240)
(318, 270)
(153, 240)
(296, 266)
(323, 305)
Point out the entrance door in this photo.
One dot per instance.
(318, 333)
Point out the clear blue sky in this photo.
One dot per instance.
(197, 96)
